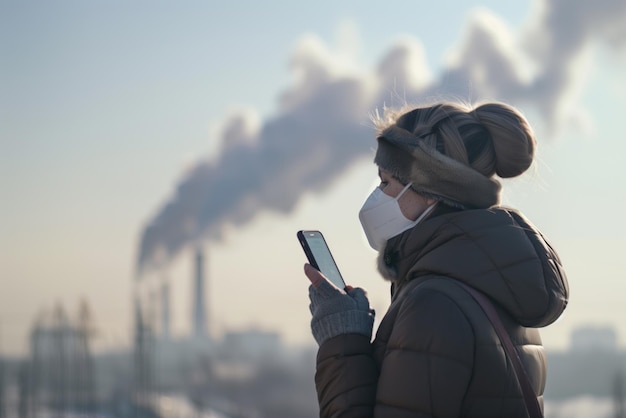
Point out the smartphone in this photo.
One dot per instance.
(318, 253)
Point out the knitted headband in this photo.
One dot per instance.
(409, 159)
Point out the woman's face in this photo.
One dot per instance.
(411, 204)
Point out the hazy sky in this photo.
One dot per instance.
(247, 122)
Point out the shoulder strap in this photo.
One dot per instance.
(534, 410)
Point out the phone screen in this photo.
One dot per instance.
(319, 256)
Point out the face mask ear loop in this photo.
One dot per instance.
(402, 192)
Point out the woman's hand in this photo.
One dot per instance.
(314, 275)
(336, 311)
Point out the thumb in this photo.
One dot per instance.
(313, 274)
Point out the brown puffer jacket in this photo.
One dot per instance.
(435, 353)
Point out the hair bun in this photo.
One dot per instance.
(513, 139)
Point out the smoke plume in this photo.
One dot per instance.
(322, 126)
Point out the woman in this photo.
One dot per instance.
(436, 221)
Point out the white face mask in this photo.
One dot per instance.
(382, 218)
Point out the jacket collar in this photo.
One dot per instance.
(403, 251)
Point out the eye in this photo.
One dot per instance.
(383, 184)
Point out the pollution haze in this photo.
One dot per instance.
(133, 135)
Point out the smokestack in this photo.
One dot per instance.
(199, 310)
(165, 311)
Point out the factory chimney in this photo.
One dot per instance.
(165, 311)
(199, 309)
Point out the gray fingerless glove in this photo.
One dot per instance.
(336, 312)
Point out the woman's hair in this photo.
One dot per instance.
(492, 138)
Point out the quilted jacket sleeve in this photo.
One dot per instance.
(425, 369)
(346, 377)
